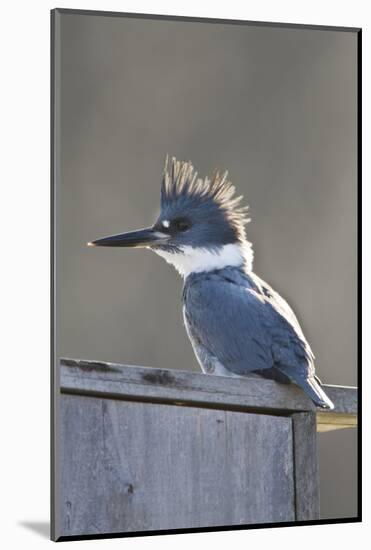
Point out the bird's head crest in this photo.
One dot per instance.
(181, 186)
(201, 225)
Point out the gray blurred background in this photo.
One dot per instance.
(274, 106)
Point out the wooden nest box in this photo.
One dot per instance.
(144, 449)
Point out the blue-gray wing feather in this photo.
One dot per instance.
(246, 325)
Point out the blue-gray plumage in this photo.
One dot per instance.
(238, 325)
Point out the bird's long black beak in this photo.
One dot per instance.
(135, 239)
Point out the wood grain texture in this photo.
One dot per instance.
(180, 387)
(154, 449)
(306, 472)
(131, 466)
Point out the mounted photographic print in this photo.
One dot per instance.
(204, 274)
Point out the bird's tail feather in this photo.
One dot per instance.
(313, 389)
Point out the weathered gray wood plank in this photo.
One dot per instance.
(132, 466)
(306, 466)
(180, 387)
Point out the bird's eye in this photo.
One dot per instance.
(181, 224)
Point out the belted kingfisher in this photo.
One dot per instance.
(237, 324)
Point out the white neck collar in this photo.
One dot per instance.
(196, 260)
